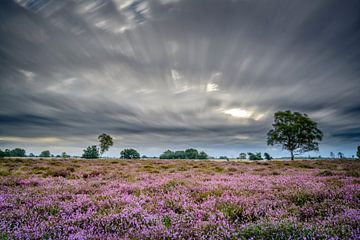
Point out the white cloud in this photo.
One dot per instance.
(243, 113)
(212, 87)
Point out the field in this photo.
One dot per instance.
(163, 199)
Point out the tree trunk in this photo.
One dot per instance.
(292, 155)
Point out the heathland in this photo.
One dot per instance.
(178, 199)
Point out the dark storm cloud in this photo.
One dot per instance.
(165, 73)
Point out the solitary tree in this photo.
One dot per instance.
(332, 155)
(91, 152)
(296, 132)
(358, 152)
(129, 154)
(45, 153)
(106, 142)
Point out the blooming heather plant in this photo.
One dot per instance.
(152, 199)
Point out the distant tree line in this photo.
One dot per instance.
(190, 153)
(16, 152)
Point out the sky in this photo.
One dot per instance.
(174, 74)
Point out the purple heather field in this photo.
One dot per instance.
(179, 199)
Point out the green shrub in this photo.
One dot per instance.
(233, 212)
(166, 221)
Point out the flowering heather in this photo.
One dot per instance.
(152, 199)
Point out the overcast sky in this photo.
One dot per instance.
(162, 74)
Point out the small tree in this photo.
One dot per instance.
(129, 153)
(340, 155)
(267, 156)
(106, 142)
(64, 155)
(91, 152)
(2, 154)
(332, 155)
(296, 132)
(45, 154)
(242, 156)
(255, 156)
(358, 152)
(203, 155)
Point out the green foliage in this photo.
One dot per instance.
(64, 155)
(179, 155)
(168, 154)
(45, 153)
(301, 198)
(296, 132)
(17, 152)
(358, 152)
(166, 221)
(224, 157)
(202, 155)
(233, 212)
(242, 156)
(255, 156)
(267, 156)
(106, 142)
(192, 153)
(91, 152)
(129, 153)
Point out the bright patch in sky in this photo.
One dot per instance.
(239, 113)
(211, 87)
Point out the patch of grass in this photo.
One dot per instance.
(219, 169)
(173, 183)
(301, 198)
(4, 173)
(201, 196)
(325, 173)
(57, 173)
(231, 169)
(233, 212)
(166, 221)
(353, 173)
